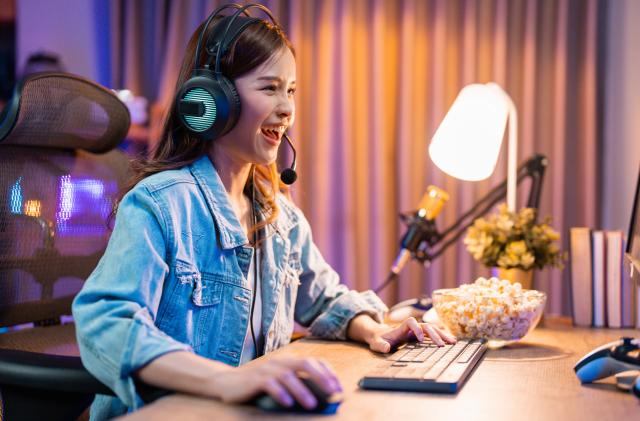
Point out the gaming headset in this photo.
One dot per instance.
(208, 104)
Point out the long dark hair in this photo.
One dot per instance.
(256, 44)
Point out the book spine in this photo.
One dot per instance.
(581, 282)
(614, 278)
(599, 273)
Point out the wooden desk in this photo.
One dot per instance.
(531, 380)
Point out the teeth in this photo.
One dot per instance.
(275, 130)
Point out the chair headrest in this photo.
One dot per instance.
(62, 110)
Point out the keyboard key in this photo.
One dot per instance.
(413, 371)
(468, 353)
(383, 372)
(436, 356)
(398, 354)
(435, 371)
(422, 357)
(452, 373)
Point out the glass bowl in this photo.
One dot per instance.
(500, 316)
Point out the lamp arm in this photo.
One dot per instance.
(512, 156)
(533, 168)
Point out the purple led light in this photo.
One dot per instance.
(83, 205)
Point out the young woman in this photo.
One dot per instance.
(209, 264)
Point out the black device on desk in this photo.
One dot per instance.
(327, 404)
(426, 367)
(632, 252)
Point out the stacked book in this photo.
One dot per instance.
(602, 292)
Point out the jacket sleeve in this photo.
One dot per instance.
(115, 310)
(323, 304)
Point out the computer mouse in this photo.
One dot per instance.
(608, 359)
(327, 403)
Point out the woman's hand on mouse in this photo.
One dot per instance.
(278, 377)
(383, 338)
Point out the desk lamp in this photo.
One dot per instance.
(466, 146)
(467, 143)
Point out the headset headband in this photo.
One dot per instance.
(216, 46)
(233, 19)
(206, 25)
(234, 28)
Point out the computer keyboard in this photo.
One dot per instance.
(425, 367)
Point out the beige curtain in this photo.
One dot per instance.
(375, 79)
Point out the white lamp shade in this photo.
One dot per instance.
(467, 143)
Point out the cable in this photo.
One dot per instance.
(255, 263)
(387, 281)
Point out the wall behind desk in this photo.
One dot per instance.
(621, 145)
(64, 27)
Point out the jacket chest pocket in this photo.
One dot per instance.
(205, 310)
(192, 311)
(208, 292)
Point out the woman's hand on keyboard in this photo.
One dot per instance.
(384, 337)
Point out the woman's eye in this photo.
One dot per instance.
(270, 88)
(291, 91)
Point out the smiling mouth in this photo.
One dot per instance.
(273, 134)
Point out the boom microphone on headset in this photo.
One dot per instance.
(288, 175)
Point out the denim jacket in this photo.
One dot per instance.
(174, 278)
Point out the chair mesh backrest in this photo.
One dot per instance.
(64, 111)
(55, 202)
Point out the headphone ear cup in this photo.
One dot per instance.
(232, 99)
(207, 106)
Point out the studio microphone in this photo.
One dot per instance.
(288, 175)
(420, 226)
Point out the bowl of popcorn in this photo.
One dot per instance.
(493, 309)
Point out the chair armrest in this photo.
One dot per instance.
(47, 372)
(35, 370)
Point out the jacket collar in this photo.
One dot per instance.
(288, 217)
(231, 234)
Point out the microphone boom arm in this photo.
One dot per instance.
(533, 168)
(432, 243)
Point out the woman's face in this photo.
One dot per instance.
(267, 110)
